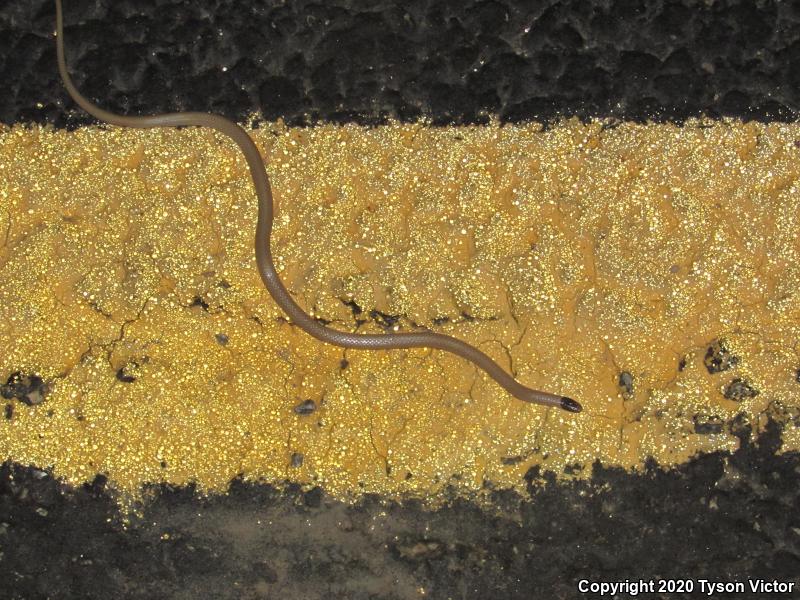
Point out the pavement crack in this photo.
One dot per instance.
(110, 346)
(377, 452)
(8, 231)
(512, 308)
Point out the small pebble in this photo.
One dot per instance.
(626, 383)
(719, 359)
(124, 377)
(707, 426)
(738, 389)
(198, 301)
(29, 389)
(306, 407)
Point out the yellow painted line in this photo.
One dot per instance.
(570, 255)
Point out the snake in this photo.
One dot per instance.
(263, 253)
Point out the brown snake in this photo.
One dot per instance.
(266, 268)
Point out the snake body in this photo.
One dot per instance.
(266, 267)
